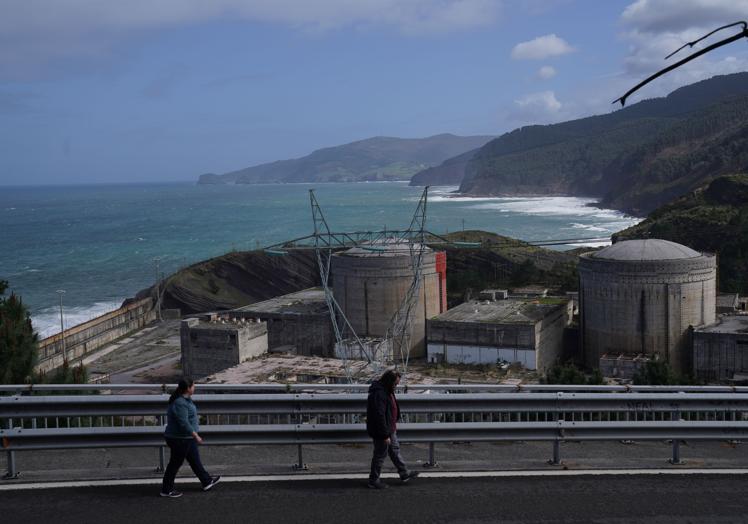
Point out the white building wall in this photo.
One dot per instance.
(463, 354)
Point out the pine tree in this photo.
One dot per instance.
(19, 344)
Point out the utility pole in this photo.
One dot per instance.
(62, 328)
(157, 262)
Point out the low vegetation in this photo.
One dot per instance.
(712, 218)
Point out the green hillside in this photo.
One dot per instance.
(712, 218)
(378, 158)
(633, 159)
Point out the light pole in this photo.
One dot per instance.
(62, 327)
(157, 262)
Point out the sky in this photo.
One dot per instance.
(97, 91)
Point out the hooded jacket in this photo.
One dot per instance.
(379, 414)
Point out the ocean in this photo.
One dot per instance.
(100, 243)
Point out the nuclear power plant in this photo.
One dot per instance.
(383, 301)
(639, 297)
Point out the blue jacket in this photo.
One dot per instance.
(181, 418)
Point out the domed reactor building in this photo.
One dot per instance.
(370, 282)
(639, 297)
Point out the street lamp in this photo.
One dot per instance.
(62, 327)
(157, 262)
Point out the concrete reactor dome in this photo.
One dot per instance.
(639, 297)
(370, 282)
(648, 249)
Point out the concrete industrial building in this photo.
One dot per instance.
(213, 342)
(370, 282)
(528, 331)
(727, 303)
(720, 351)
(298, 320)
(639, 297)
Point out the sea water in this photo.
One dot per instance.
(102, 244)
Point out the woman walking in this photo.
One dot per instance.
(382, 414)
(182, 438)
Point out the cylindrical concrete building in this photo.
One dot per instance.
(641, 296)
(370, 282)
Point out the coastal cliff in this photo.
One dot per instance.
(634, 159)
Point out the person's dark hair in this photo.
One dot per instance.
(182, 387)
(389, 378)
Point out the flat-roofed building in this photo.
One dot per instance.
(720, 351)
(527, 331)
(214, 342)
(300, 319)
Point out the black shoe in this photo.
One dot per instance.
(377, 484)
(409, 475)
(213, 482)
(172, 494)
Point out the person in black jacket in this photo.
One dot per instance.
(382, 414)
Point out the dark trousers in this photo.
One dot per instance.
(381, 450)
(183, 448)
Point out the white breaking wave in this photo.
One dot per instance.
(589, 227)
(551, 206)
(47, 321)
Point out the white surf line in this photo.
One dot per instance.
(13, 486)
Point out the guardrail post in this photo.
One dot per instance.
(300, 466)
(12, 472)
(675, 459)
(432, 463)
(161, 460)
(161, 452)
(556, 459)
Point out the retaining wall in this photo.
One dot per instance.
(89, 336)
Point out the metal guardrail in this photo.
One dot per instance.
(287, 434)
(26, 407)
(84, 421)
(334, 388)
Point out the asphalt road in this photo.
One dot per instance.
(610, 499)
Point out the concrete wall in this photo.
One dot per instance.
(309, 334)
(89, 336)
(536, 345)
(465, 354)
(549, 337)
(719, 356)
(209, 348)
(645, 306)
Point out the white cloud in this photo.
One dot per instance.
(541, 48)
(656, 28)
(545, 100)
(546, 72)
(35, 32)
(537, 108)
(678, 15)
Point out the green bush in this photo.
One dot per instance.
(570, 374)
(19, 344)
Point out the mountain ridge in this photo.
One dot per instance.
(371, 159)
(596, 155)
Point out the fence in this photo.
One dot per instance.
(335, 416)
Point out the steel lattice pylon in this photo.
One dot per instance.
(396, 341)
